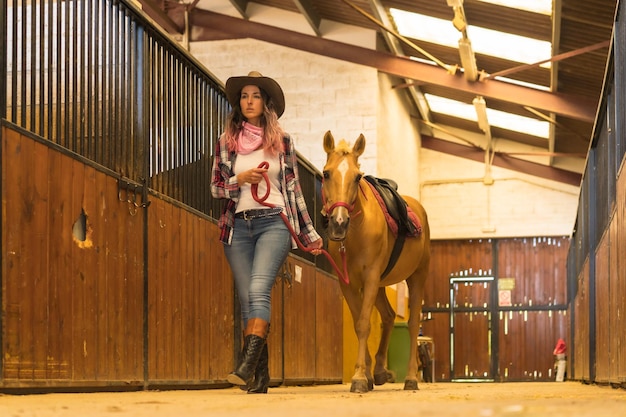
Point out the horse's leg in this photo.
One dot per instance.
(387, 315)
(362, 327)
(355, 303)
(416, 295)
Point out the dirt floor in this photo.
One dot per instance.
(553, 399)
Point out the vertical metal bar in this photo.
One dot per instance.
(107, 93)
(66, 114)
(93, 77)
(81, 46)
(140, 152)
(87, 36)
(99, 65)
(4, 51)
(32, 64)
(592, 240)
(167, 107)
(122, 96)
(49, 73)
(194, 124)
(14, 38)
(150, 142)
(74, 97)
(494, 309)
(42, 74)
(115, 76)
(22, 96)
(177, 129)
(59, 72)
(131, 91)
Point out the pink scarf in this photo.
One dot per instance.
(250, 138)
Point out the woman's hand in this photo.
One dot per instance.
(316, 246)
(251, 176)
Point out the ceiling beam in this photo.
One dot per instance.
(155, 13)
(309, 13)
(574, 107)
(240, 6)
(502, 160)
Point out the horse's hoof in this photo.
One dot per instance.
(382, 378)
(410, 385)
(359, 386)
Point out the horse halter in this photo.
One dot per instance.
(328, 210)
(349, 207)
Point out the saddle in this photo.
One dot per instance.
(400, 218)
(386, 191)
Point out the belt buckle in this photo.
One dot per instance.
(245, 215)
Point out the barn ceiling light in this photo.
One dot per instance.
(496, 118)
(484, 41)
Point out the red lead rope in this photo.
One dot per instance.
(261, 200)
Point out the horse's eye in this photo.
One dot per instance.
(358, 178)
(326, 175)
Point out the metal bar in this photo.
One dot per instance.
(50, 73)
(81, 45)
(66, 116)
(32, 68)
(556, 58)
(3, 78)
(59, 72)
(4, 51)
(121, 157)
(23, 73)
(42, 74)
(86, 71)
(14, 96)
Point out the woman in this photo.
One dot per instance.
(255, 237)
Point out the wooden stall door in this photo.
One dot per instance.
(470, 328)
(72, 272)
(299, 324)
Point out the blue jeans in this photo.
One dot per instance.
(258, 249)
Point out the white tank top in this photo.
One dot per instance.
(252, 160)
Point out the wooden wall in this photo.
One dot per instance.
(145, 298)
(601, 355)
(596, 263)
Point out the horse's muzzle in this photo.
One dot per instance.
(337, 231)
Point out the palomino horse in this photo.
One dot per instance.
(360, 238)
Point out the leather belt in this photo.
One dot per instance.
(258, 213)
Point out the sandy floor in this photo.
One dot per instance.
(551, 399)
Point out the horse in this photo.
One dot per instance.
(359, 236)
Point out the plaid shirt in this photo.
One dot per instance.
(224, 185)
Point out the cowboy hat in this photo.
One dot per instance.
(271, 87)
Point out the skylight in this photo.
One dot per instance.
(484, 41)
(497, 118)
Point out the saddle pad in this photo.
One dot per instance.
(398, 214)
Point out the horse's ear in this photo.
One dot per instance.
(329, 142)
(359, 146)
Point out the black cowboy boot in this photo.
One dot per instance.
(256, 332)
(262, 374)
